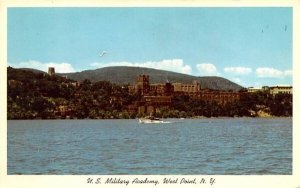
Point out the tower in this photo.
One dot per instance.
(168, 89)
(197, 87)
(143, 84)
(51, 71)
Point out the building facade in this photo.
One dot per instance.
(220, 97)
(154, 96)
(253, 89)
(51, 71)
(273, 90)
(187, 88)
(281, 89)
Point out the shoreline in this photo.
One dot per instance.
(190, 118)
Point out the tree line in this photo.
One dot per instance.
(33, 95)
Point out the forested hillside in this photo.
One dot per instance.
(127, 75)
(37, 95)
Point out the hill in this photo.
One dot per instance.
(32, 70)
(33, 95)
(128, 75)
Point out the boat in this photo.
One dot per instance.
(150, 120)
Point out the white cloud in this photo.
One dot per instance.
(59, 67)
(288, 73)
(207, 69)
(62, 67)
(238, 70)
(175, 65)
(266, 72)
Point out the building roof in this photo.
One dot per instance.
(288, 86)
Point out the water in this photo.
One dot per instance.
(192, 146)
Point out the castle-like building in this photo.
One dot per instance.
(159, 95)
(144, 88)
(51, 71)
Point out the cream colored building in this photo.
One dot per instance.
(281, 89)
(253, 89)
(189, 88)
(272, 89)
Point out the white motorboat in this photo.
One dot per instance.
(150, 120)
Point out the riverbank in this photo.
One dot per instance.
(195, 117)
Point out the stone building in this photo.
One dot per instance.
(220, 97)
(149, 104)
(281, 89)
(154, 96)
(273, 90)
(51, 71)
(143, 87)
(253, 89)
(187, 88)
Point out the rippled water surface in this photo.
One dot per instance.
(189, 146)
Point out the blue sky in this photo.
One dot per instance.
(250, 46)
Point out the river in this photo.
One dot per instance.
(184, 147)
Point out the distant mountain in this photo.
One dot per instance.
(128, 75)
(33, 70)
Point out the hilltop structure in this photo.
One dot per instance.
(51, 71)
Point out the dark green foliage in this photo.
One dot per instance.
(38, 95)
(278, 105)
